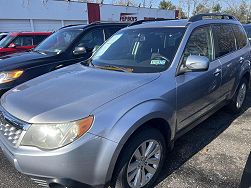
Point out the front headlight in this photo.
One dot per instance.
(52, 136)
(9, 76)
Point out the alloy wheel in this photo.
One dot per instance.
(241, 95)
(144, 163)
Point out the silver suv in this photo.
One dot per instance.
(113, 122)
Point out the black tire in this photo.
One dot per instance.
(233, 105)
(120, 173)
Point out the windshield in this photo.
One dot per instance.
(2, 36)
(59, 41)
(143, 50)
(5, 42)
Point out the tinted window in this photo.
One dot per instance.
(23, 41)
(59, 41)
(27, 40)
(199, 44)
(91, 39)
(110, 31)
(38, 39)
(240, 36)
(140, 50)
(224, 39)
(248, 31)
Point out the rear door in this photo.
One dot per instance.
(198, 92)
(230, 57)
(243, 51)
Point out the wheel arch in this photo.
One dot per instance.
(162, 120)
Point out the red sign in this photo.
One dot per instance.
(128, 17)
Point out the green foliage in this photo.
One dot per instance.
(167, 5)
(216, 8)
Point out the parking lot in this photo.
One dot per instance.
(213, 154)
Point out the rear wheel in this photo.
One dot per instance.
(237, 102)
(141, 161)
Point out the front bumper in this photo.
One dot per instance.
(85, 161)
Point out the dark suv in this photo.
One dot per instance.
(69, 45)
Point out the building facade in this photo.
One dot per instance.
(50, 15)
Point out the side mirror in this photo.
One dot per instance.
(197, 63)
(95, 48)
(12, 45)
(79, 51)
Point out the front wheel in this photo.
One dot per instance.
(237, 102)
(141, 161)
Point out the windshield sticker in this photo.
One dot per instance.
(158, 62)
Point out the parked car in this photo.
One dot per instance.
(247, 28)
(67, 46)
(3, 35)
(21, 41)
(112, 123)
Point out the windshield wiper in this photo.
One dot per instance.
(116, 68)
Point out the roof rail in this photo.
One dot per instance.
(201, 16)
(151, 20)
(72, 25)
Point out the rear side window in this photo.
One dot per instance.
(92, 38)
(199, 43)
(224, 40)
(110, 31)
(240, 35)
(38, 39)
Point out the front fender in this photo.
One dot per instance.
(136, 117)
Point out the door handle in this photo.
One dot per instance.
(241, 60)
(217, 72)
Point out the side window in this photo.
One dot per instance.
(199, 43)
(27, 41)
(38, 39)
(17, 41)
(91, 39)
(23, 41)
(110, 31)
(224, 39)
(240, 36)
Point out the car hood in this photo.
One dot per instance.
(22, 58)
(69, 94)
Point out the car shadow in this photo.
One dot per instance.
(199, 137)
(246, 176)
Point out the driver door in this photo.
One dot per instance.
(91, 38)
(198, 92)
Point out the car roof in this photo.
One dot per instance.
(200, 19)
(163, 23)
(29, 33)
(83, 26)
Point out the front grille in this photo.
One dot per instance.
(10, 129)
(11, 133)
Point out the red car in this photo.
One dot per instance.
(21, 41)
